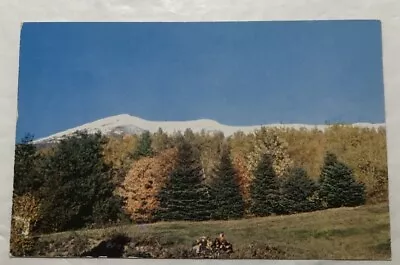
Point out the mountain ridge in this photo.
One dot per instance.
(127, 124)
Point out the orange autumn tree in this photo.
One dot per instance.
(241, 145)
(144, 181)
(244, 175)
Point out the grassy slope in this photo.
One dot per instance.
(345, 233)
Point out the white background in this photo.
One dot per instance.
(14, 12)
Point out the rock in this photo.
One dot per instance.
(112, 248)
(205, 247)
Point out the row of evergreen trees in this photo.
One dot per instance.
(185, 197)
(75, 187)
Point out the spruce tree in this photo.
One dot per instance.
(144, 147)
(184, 197)
(338, 186)
(330, 159)
(264, 190)
(299, 192)
(228, 199)
(78, 190)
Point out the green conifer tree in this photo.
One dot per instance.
(144, 147)
(264, 190)
(228, 199)
(299, 192)
(338, 187)
(330, 159)
(78, 189)
(185, 197)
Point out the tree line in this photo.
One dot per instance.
(187, 195)
(363, 149)
(84, 181)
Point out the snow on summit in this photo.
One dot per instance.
(127, 124)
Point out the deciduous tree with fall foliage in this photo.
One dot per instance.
(267, 141)
(25, 214)
(143, 182)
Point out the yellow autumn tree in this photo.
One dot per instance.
(267, 141)
(25, 214)
(364, 150)
(210, 149)
(306, 148)
(144, 181)
(160, 141)
(118, 151)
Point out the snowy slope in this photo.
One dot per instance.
(126, 124)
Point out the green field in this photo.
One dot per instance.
(344, 233)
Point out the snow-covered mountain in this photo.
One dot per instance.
(127, 124)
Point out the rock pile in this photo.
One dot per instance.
(205, 247)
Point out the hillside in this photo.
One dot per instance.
(138, 168)
(127, 124)
(344, 233)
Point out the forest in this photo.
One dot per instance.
(94, 181)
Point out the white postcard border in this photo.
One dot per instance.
(14, 12)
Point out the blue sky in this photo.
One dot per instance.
(238, 73)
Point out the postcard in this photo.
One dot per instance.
(201, 140)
